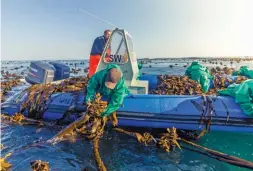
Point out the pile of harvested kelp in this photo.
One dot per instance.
(6, 86)
(222, 82)
(182, 85)
(38, 94)
(177, 85)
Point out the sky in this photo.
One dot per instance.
(56, 29)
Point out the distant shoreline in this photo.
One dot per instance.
(209, 58)
(145, 59)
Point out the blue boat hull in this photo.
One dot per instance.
(151, 111)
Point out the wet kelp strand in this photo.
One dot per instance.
(4, 166)
(39, 165)
(90, 125)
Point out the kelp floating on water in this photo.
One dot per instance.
(20, 119)
(221, 71)
(8, 76)
(16, 118)
(90, 125)
(1, 146)
(6, 86)
(5, 165)
(168, 140)
(39, 165)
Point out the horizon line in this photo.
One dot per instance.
(137, 59)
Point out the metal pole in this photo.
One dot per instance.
(98, 18)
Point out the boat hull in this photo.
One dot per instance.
(152, 111)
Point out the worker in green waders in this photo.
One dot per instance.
(110, 84)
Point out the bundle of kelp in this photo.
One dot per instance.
(38, 94)
(91, 125)
(39, 165)
(177, 85)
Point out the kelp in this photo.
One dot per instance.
(36, 102)
(39, 165)
(146, 138)
(6, 86)
(1, 146)
(5, 165)
(177, 85)
(90, 125)
(182, 85)
(8, 76)
(168, 140)
(16, 118)
(221, 82)
(20, 119)
(221, 71)
(99, 161)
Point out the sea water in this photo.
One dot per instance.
(118, 151)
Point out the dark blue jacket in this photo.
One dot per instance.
(98, 46)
